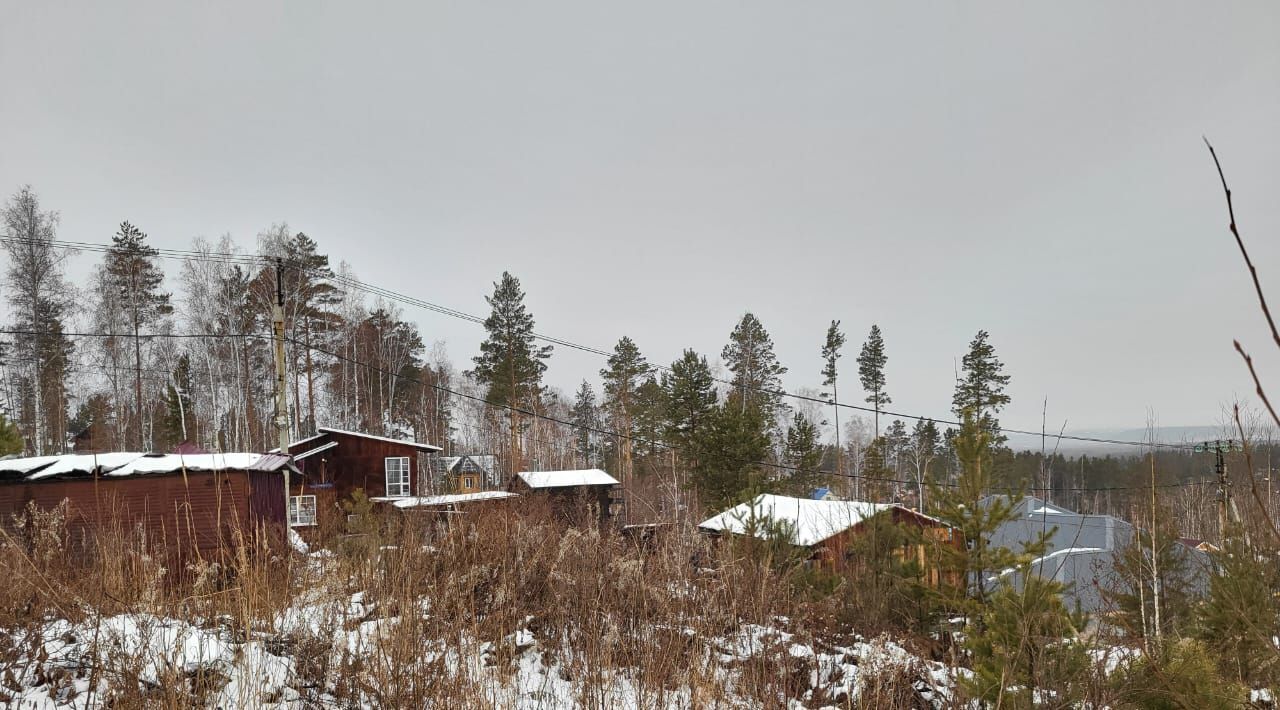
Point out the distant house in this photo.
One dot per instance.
(467, 474)
(1082, 550)
(336, 463)
(571, 494)
(828, 529)
(191, 504)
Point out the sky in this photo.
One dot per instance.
(658, 169)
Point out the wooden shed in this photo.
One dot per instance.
(572, 495)
(188, 504)
(831, 530)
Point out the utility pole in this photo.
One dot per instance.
(1226, 506)
(282, 412)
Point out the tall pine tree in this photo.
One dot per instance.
(980, 389)
(691, 398)
(622, 379)
(757, 375)
(830, 372)
(871, 362)
(586, 419)
(510, 364)
(132, 271)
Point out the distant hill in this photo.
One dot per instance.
(1072, 447)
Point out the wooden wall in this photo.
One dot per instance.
(198, 512)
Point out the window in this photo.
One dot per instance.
(302, 510)
(398, 476)
(468, 482)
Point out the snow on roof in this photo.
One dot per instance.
(565, 479)
(424, 447)
(167, 463)
(130, 463)
(85, 463)
(426, 501)
(812, 521)
(304, 454)
(26, 464)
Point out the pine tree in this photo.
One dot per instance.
(622, 378)
(871, 362)
(727, 449)
(1027, 647)
(10, 437)
(586, 419)
(830, 354)
(757, 375)
(980, 388)
(803, 453)
(1241, 615)
(510, 365)
(967, 508)
(690, 395)
(133, 273)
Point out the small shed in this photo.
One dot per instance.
(828, 529)
(189, 504)
(572, 495)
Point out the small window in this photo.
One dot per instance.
(398, 476)
(469, 482)
(302, 510)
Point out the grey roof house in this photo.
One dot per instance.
(1082, 550)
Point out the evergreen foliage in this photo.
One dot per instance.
(725, 453)
(627, 370)
(690, 394)
(510, 364)
(1241, 615)
(980, 388)
(132, 272)
(1027, 651)
(871, 362)
(757, 374)
(803, 452)
(586, 418)
(10, 437)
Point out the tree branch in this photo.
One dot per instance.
(1253, 271)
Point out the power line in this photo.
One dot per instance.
(353, 283)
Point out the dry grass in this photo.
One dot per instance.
(442, 615)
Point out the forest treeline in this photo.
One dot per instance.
(160, 347)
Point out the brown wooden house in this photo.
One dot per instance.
(467, 474)
(832, 531)
(337, 463)
(199, 504)
(572, 495)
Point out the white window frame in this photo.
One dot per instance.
(468, 481)
(398, 466)
(302, 511)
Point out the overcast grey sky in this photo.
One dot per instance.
(656, 169)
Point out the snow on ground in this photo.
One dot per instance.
(65, 665)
